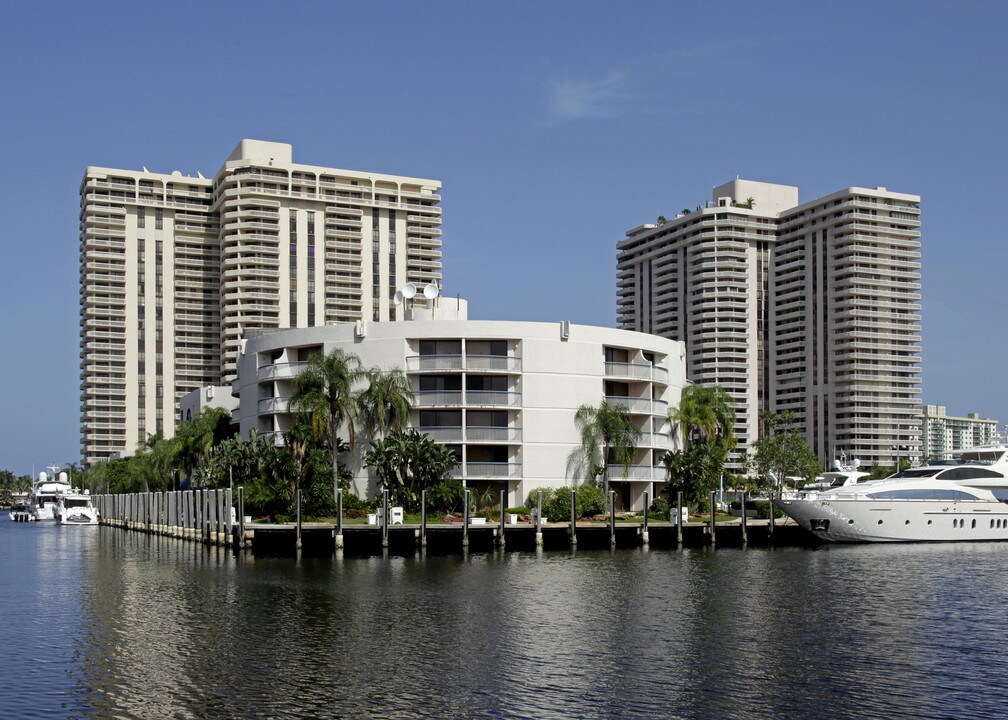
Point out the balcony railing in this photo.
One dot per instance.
(636, 371)
(504, 363)
(492, 398)
(639, 405)
(436, 398)
(271, 406)
(637, 472)
(493, 434)
(281, 371)
(442, 434)
(475, 470)
(420, 363)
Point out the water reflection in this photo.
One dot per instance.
(110, 624)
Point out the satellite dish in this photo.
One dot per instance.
(409, 291)
(398, 297)
(430, 291)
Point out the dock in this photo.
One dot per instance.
(206, 516)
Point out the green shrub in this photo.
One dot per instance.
(660, 508)
(590, 501)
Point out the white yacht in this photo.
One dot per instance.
(961, 499)
(42, 498)
(75, 508)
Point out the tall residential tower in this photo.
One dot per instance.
(175, 268)
(812, 308)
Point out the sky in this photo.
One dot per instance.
(554, 127)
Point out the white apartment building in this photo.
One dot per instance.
(810, 307)
(943, 435)
(175, 268)
(501, 394)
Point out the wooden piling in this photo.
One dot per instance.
(713, 517)
(538, 533)
(644, 531)
(241, 516)
(612, 518)
(465, 519)
(423, 518)
(297, 544)
(338, 537)
(573, 518)
(745, 529)
(503, 510)
(678, 519)
(385, 518)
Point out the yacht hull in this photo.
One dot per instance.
(866, 520)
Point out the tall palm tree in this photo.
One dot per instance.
(386, 402)
(324, 391)
(606, 429)
(705, 413)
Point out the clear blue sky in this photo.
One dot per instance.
(554, 126)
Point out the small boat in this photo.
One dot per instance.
(942, 501)
(75, 508)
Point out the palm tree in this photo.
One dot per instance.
(606, 429)
(386, 402)
(705, 414)
(324, 391)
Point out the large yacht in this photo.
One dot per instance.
(961, 499)
(75, 508)
(44, 494)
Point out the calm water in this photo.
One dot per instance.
(104, 624)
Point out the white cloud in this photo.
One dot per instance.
(578, 99)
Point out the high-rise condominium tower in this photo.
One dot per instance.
(812, 308)
(174, 269)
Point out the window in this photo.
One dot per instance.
(158, 219)
(141, 217)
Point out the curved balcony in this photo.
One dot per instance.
(636, 371)
(493, 434)
(496, 363)
(444, 434)
(492, 398)
(425, 363)
(488, 470)
(437, 398)
(273, 406)
(637, 472)
(281, 371)
(639, 405)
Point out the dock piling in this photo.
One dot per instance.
(503, 510)
(678, 519)
(612, 518)
(423, 518)
(713, 517)
(538, 533)
(338, 537)
(745, 529)
(644, 531)
(465, 519)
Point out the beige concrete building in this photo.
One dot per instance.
(942, 435)
(810, 307)
(174, 268)
(501, 394)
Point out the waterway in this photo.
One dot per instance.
(100, 623)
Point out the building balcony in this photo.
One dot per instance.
(437, 398)
(281, 371)
(636, 371)
(274, 405)
(645, 406)
(636, 472)
(433, 363)
(451, 434)
(487, 470)
(510, 435)
(492, 363)
(492, 398)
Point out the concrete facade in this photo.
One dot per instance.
(175, 268)
(502, 394)
(812, 308)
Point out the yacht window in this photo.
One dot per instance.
(923, 494)
(969, 473)
(919, 472)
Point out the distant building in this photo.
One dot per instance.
(193, 403)
(173, 269)
(811, 307)
(502, 395)
(943, 435)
